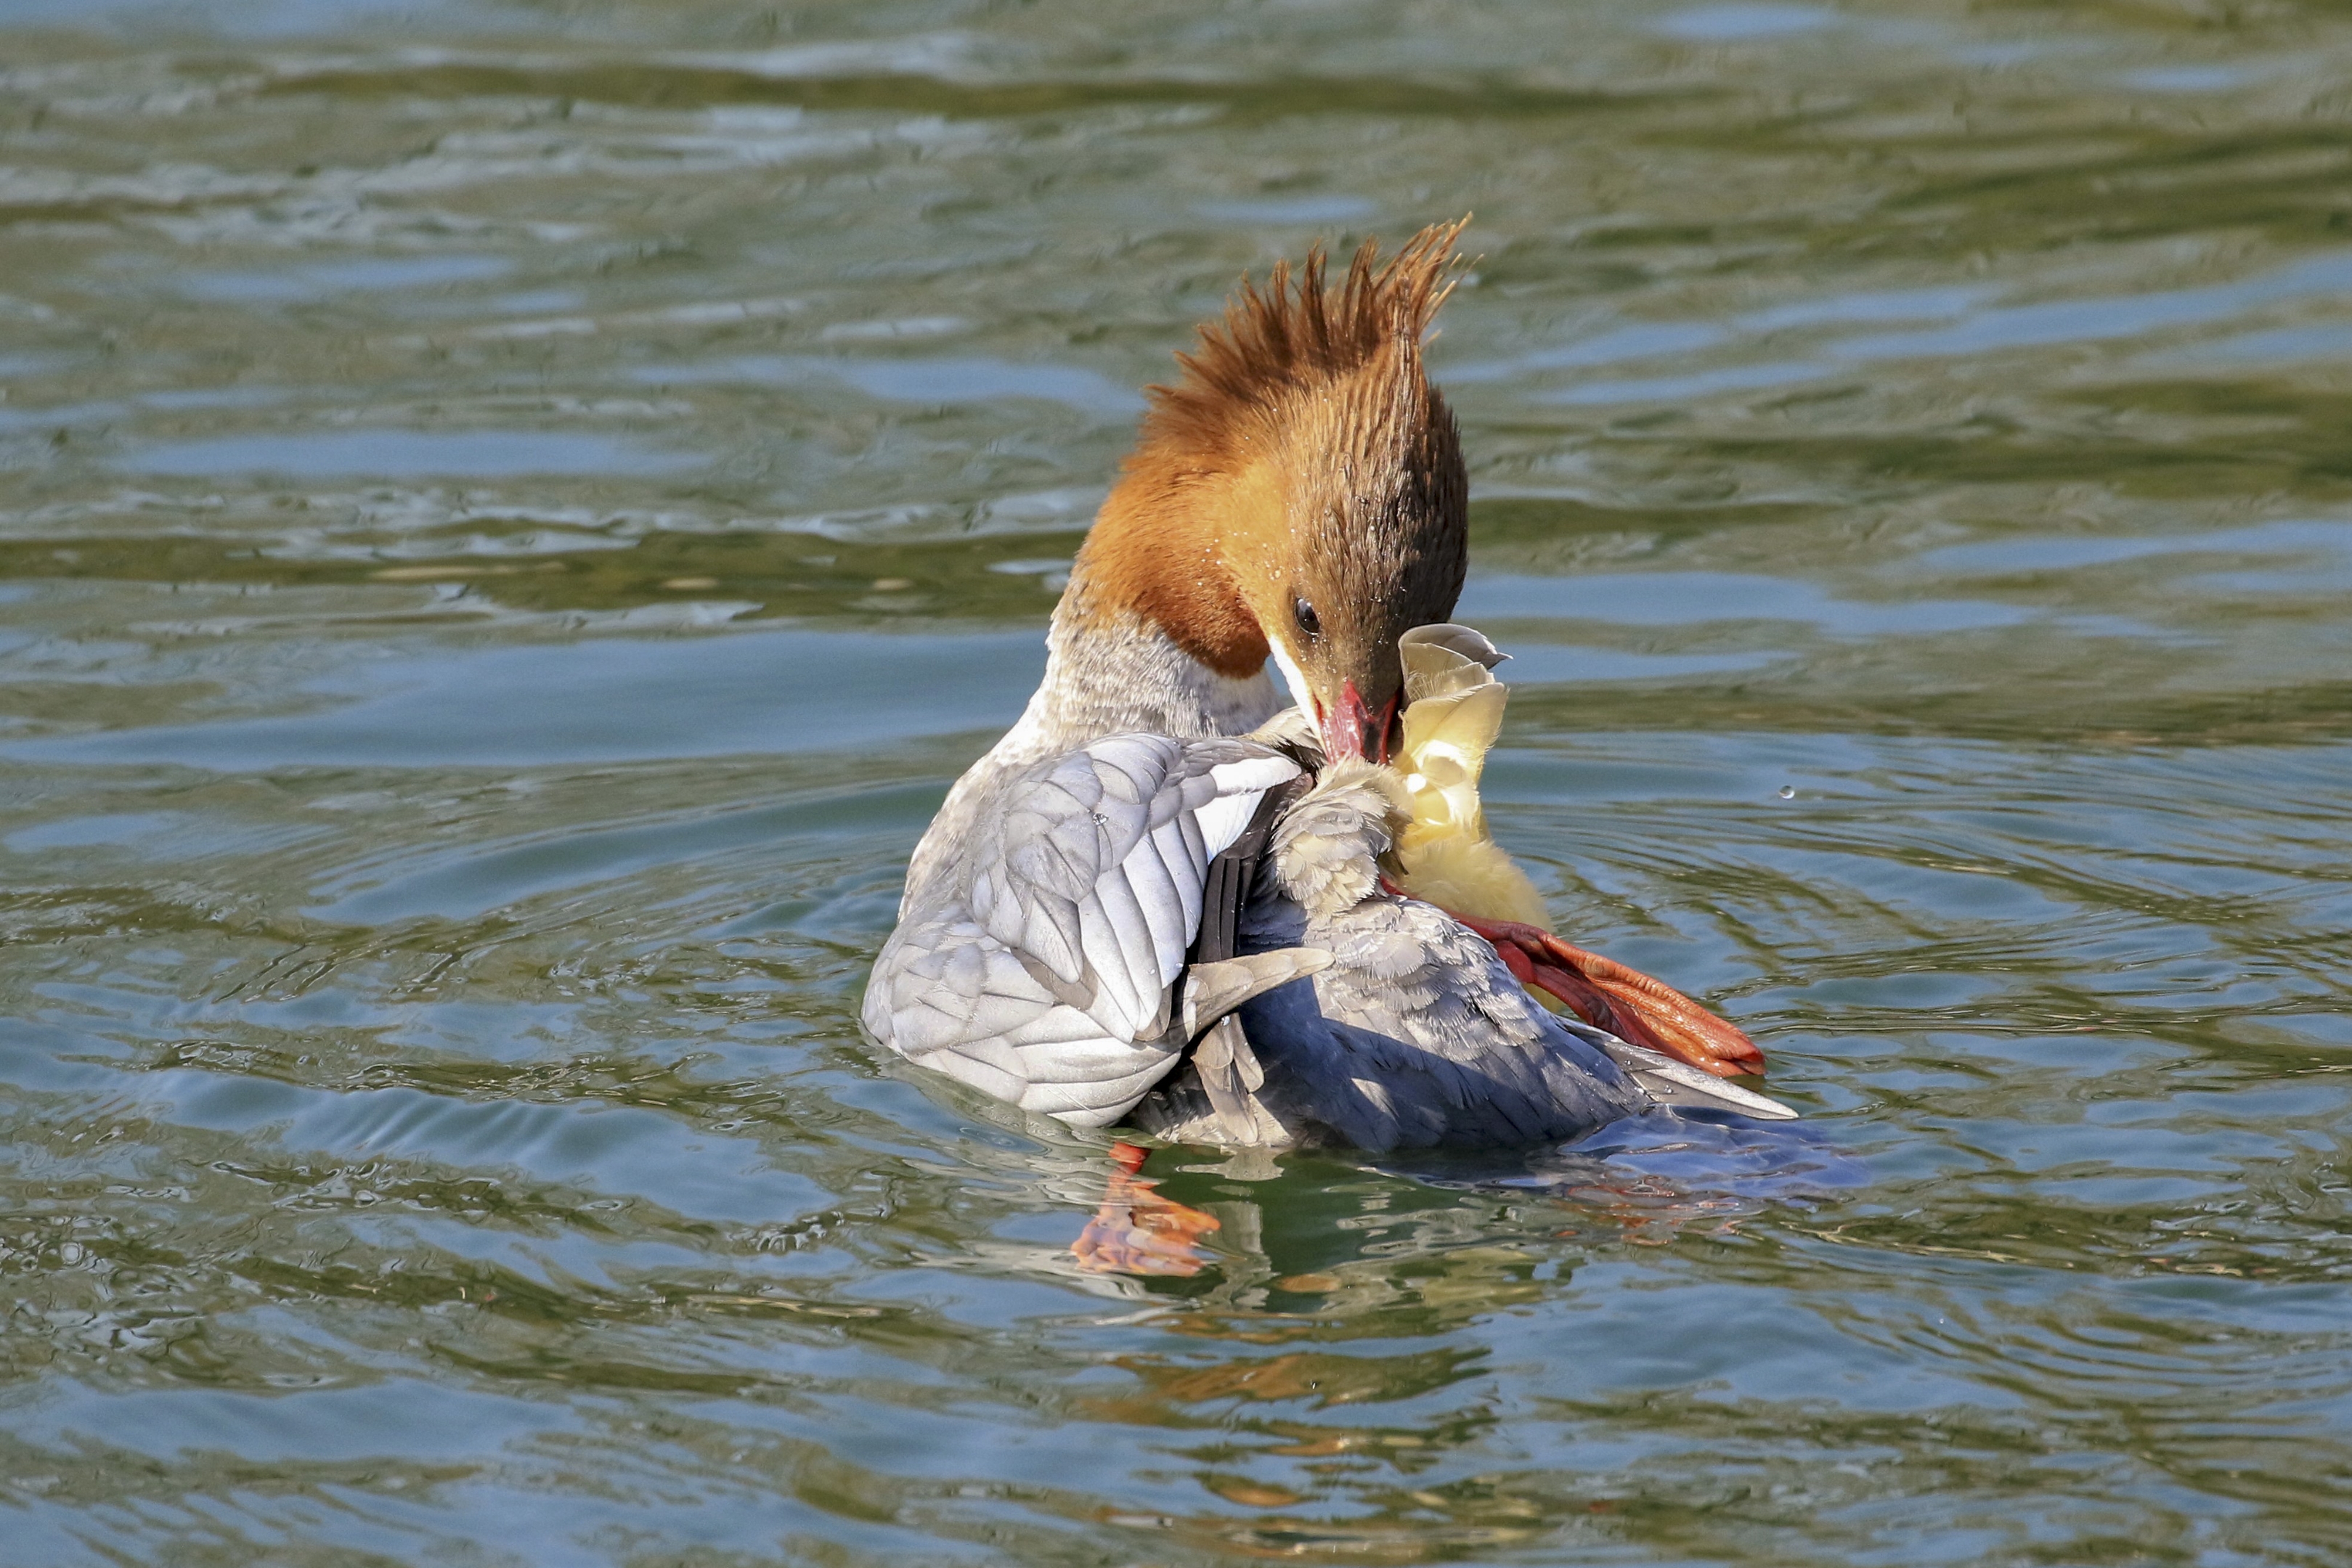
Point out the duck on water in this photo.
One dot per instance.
(1169, 899)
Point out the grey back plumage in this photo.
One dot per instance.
(1413, 1036)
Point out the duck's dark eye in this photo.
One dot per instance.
(1309, 621)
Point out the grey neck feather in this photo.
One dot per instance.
(1105, 674)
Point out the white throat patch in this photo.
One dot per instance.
(1293, 677)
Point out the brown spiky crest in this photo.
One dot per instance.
(1281, 339)
(1303, 455)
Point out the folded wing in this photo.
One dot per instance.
(1041, 972)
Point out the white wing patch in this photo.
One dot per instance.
(1240, 787)
(1045, 979)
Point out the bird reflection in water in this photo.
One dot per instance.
(1647, 1179)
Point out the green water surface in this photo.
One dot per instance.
(512, 516)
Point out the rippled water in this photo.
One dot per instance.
(512, 516)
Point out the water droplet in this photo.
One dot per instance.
(1788, 791)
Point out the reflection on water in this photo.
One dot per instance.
(512, 516)
(970, 380)
(459, 454)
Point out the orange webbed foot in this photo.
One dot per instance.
(1629, 1004)
(1136, 1231)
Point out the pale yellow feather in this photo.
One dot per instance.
(1453, 714)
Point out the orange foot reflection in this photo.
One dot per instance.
(1136, 1231)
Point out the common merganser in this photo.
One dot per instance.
(1164, 900)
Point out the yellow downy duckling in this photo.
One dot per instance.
(1446, 856)
(1454, 712)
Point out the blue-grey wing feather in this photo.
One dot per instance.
(1415, 1035)
(1418, 1036)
